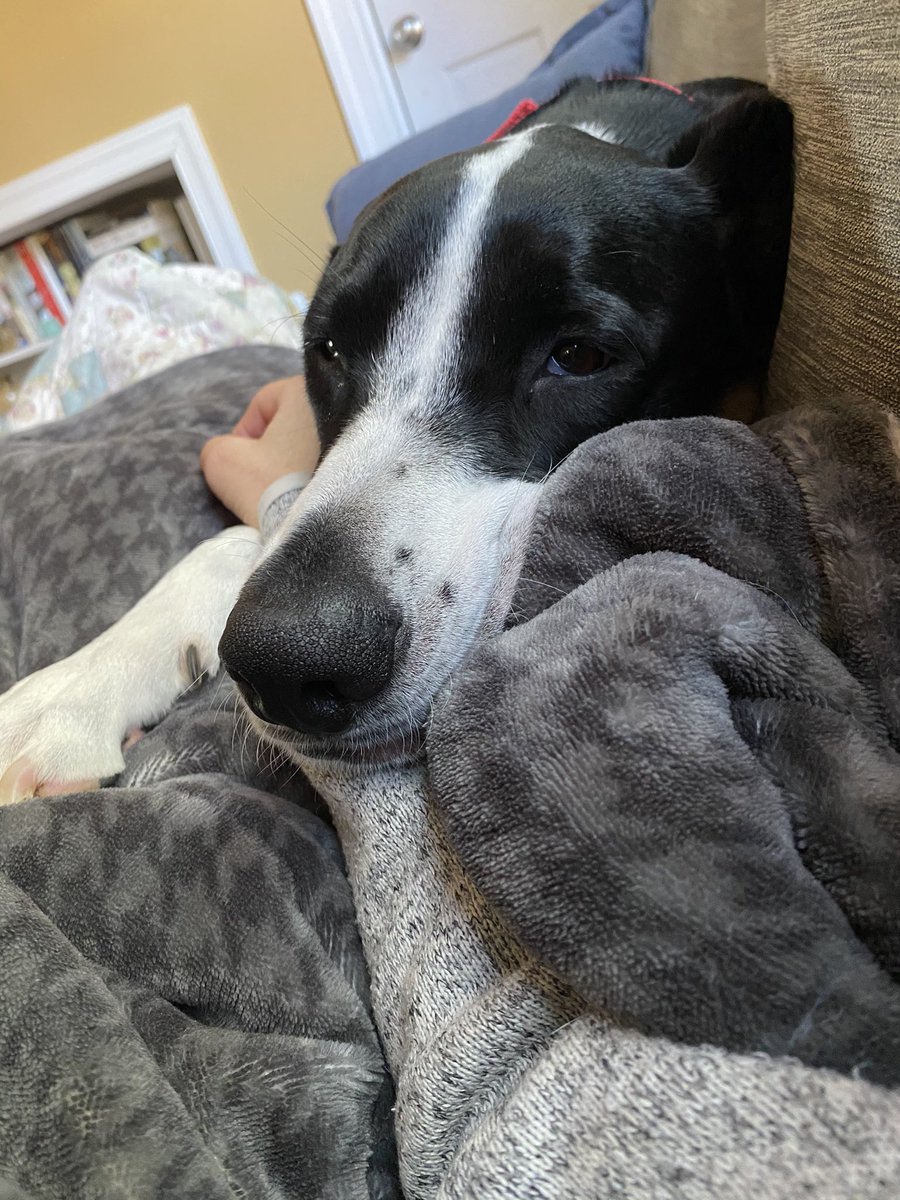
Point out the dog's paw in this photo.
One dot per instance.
(63, 727)
(57, 733)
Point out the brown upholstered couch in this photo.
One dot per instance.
(838, 63)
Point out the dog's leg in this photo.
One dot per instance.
(64, 725)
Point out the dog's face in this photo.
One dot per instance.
(486, 315)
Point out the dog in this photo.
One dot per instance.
(617, 255)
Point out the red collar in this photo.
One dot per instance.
(526, 107)
(670, 87)
(522, 110)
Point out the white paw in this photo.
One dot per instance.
(63, 728)
(56, 734)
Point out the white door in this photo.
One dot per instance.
(447, 55)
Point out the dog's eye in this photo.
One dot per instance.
(577, 358)
(328, 350)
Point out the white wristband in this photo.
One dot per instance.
(278, 498)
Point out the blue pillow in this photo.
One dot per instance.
(608, 41)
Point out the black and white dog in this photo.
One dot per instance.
(619, 255)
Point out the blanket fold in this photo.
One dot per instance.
(605, 801)
(691, 759)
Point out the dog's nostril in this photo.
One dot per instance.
(321, 706)
(251, 696)
(322, 691)
(315, 706)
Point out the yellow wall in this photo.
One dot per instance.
(251, 69)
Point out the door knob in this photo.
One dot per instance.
(407, 33)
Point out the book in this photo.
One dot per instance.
(192, 230)
(41, 285)
(76, 242)
(57, 251)
(12, 321)
(153, 227)
(11, 336)
(174, 242)
(49, 276)
(30, 308)
(121, 236)
(17, 286)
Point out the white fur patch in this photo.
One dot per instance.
(602, 133)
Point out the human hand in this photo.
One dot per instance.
(276, 435)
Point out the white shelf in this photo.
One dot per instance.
(24, 353)
(165, 146)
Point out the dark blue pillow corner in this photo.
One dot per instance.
(609, 40)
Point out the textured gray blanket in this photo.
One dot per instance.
(183, 1001)
(633, 929)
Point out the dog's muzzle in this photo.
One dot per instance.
(312, 662)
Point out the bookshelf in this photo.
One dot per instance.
(41, 275)
(165, 157)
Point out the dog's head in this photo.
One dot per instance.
(485, 316)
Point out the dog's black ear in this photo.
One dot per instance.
(742, 153)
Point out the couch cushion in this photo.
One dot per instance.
(838, 63)
(608, 41)
(696, 39)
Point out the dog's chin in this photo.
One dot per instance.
(364, 744)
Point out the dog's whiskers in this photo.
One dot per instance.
(189, 687)
(542, 583)
(247, 730)
(304, 272)
(640, 356)
(311, 255)
(278, 322)
(221, 694)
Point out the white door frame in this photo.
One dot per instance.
(367, 89)
(168, 144)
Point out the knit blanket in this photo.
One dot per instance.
(632, 922)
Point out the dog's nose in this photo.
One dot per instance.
(312, 671)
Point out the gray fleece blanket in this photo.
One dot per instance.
(632, 926)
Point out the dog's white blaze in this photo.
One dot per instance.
(425, 338)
